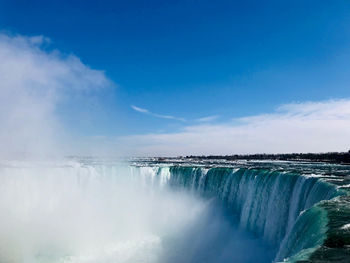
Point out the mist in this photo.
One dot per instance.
(35, 81)
(70, 212)
(55, 209)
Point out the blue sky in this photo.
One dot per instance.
(177, 64)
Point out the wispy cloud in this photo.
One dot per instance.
(140, 109)
(145, 111)
(208, 118)
(298, 127)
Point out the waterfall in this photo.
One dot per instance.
(86, 211)
(282, 208)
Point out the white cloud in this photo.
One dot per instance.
(145, 111)
(208, 118)
(32, 82)
(298, 127)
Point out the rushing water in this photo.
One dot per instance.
(144, 211)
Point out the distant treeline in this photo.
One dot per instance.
(331, 157)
